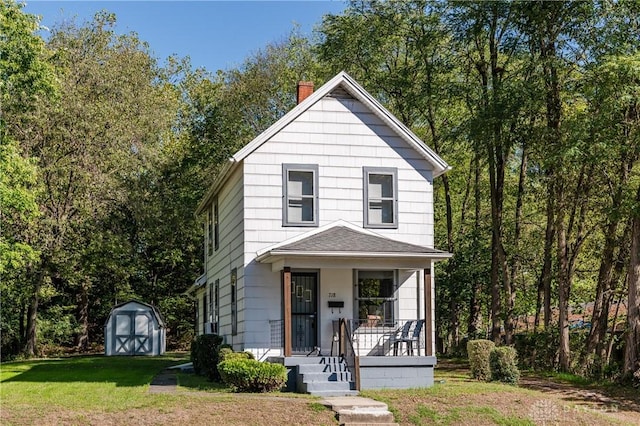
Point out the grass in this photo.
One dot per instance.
(114, 390)
(456, 399)
(91, 382)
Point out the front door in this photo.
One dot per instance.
(304, 311)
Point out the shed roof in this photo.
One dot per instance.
(342, 81)
(152, 308)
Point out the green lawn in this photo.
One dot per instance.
(87, 382)
(114, 390)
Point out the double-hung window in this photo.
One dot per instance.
(300, 195)
(376, 297)
(380, 197)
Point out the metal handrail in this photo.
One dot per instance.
(348, 352)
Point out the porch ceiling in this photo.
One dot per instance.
(343, 246)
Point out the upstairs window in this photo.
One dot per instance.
(300, 195)
(380, 197)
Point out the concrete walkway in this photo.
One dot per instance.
(165, 382)
(359, 411)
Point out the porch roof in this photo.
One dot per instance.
(342, 241)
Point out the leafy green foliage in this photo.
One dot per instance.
(249, 375)
(503, 363)
(205, 355)
(479, 355)
(228, 353)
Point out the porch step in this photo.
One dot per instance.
(319, 386)
(325, 376)
(322, 368)
(328, 376)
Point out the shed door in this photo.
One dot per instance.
(304, 311)
(132, 333)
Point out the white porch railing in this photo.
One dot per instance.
(400, 337)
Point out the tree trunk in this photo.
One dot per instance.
(82, 338)
(545, 276)
(564, 351)
(30, 342)
(632, 352)
(475, 308)
(600, 317)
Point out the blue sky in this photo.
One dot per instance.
(215, 34)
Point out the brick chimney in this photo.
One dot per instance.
(305, 89)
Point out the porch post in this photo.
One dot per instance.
(428, 315)
(286, 280)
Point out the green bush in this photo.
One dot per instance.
(479, 352)
(227, 354)
(205, 350)
(503, 362)
(249, 375)
(538, 350)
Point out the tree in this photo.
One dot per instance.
(632, 352)
(26, 80)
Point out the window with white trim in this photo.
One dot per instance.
(300, 195)
(380, 197)
(376, 297)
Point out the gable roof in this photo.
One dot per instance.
(152, 308)
(348, 84)
(341, 239)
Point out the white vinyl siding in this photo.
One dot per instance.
(230, 235)
(341, 137)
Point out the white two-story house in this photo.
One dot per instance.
(326, 215)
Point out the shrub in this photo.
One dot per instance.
(538, 350)
(249, 375)
(503, 365)
(204, 355)
(223, 353)
(479, 351)
(227, 354)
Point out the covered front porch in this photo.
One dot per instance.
(363, 298)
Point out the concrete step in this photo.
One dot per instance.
(335, 394)
(336, 376)
(337, 404)
(365, 415)
(326, 386)
(369, 424)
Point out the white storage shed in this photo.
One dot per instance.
(134, 328)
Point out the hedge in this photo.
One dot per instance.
(205, 355)
(479, 352)
(503, 362)
(249, 375)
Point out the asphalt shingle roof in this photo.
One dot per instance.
(343, 239)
